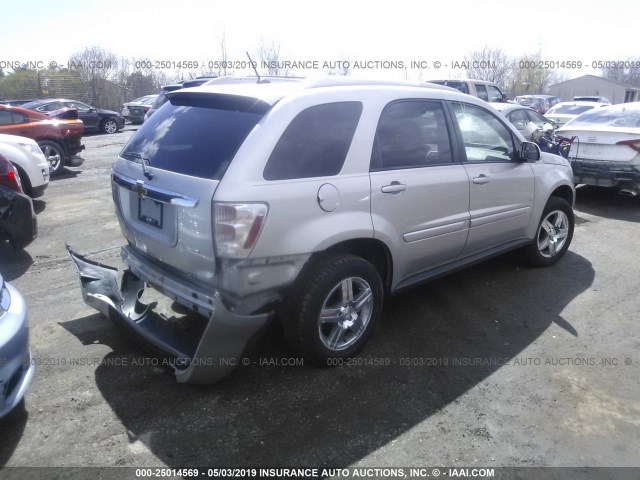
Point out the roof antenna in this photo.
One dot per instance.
(253, 64)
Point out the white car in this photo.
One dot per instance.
(606, 148)
(563, 112)
(30, 162)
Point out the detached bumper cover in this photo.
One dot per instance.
(202, 354)
(606, 174)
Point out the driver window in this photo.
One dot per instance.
(519, 119)
(495, 95)
(485, 138)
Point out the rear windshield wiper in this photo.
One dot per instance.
(142, 159)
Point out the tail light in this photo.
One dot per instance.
(635, 144)
(146, 109)
(9, 176)
(237, 227)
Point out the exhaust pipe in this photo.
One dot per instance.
(628, 193)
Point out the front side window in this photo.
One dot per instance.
(495, 95)
(519, 119)
(536, 118)
(411, 134)
(81, 107)
(482, 92)
(50, 107)
(316, 142)
(486, 139)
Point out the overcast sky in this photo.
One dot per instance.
(397, 30)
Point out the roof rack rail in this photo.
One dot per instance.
(337, 81)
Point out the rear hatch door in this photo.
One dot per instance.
(165, 178)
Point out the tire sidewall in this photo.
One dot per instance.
(553, 204)
(58, 168)
(316, 292)
(106, 122)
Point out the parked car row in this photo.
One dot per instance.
(60, 139)
(135, 110)
(94, 119)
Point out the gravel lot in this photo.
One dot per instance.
(497, 365)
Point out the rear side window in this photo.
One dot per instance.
(411, 134)
(192, 140)
(8, 117)
(316, 142)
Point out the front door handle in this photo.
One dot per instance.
(394, 188)
(481, 180)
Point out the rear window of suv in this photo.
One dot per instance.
(199, 141)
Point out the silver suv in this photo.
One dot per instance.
(314, 201)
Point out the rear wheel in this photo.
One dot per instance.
(54, 154)
(553, 235)
(335, 308)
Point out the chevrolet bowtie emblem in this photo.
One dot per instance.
(139, 189)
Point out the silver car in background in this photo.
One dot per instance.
(135, 110)
(16, 368)
(606, 148)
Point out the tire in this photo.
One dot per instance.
(553, 235)
(109, 125)
(55, 155)
(349, 291)
(24, 180)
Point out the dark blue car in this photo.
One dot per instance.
(94, 119)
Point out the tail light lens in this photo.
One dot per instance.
(9, 176)
(635, 144)
(237, 227)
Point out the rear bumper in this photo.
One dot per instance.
(606, 174)
(73, 146)
(18, 221)
(204, 350)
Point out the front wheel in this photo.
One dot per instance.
(109, 126)
(553, 235)
(54, 154)
(335, 308)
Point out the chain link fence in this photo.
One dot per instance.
(35, 84)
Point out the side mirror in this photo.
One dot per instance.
(91, 110)
(529, 152)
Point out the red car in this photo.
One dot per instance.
(18, 223)
(59, 138)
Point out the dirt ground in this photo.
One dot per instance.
(498, 365)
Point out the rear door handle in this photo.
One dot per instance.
(481, 180)
(395, 187)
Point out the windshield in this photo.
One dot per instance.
(191, 140)
(458, 85)
(570, 109)
(612, 117)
